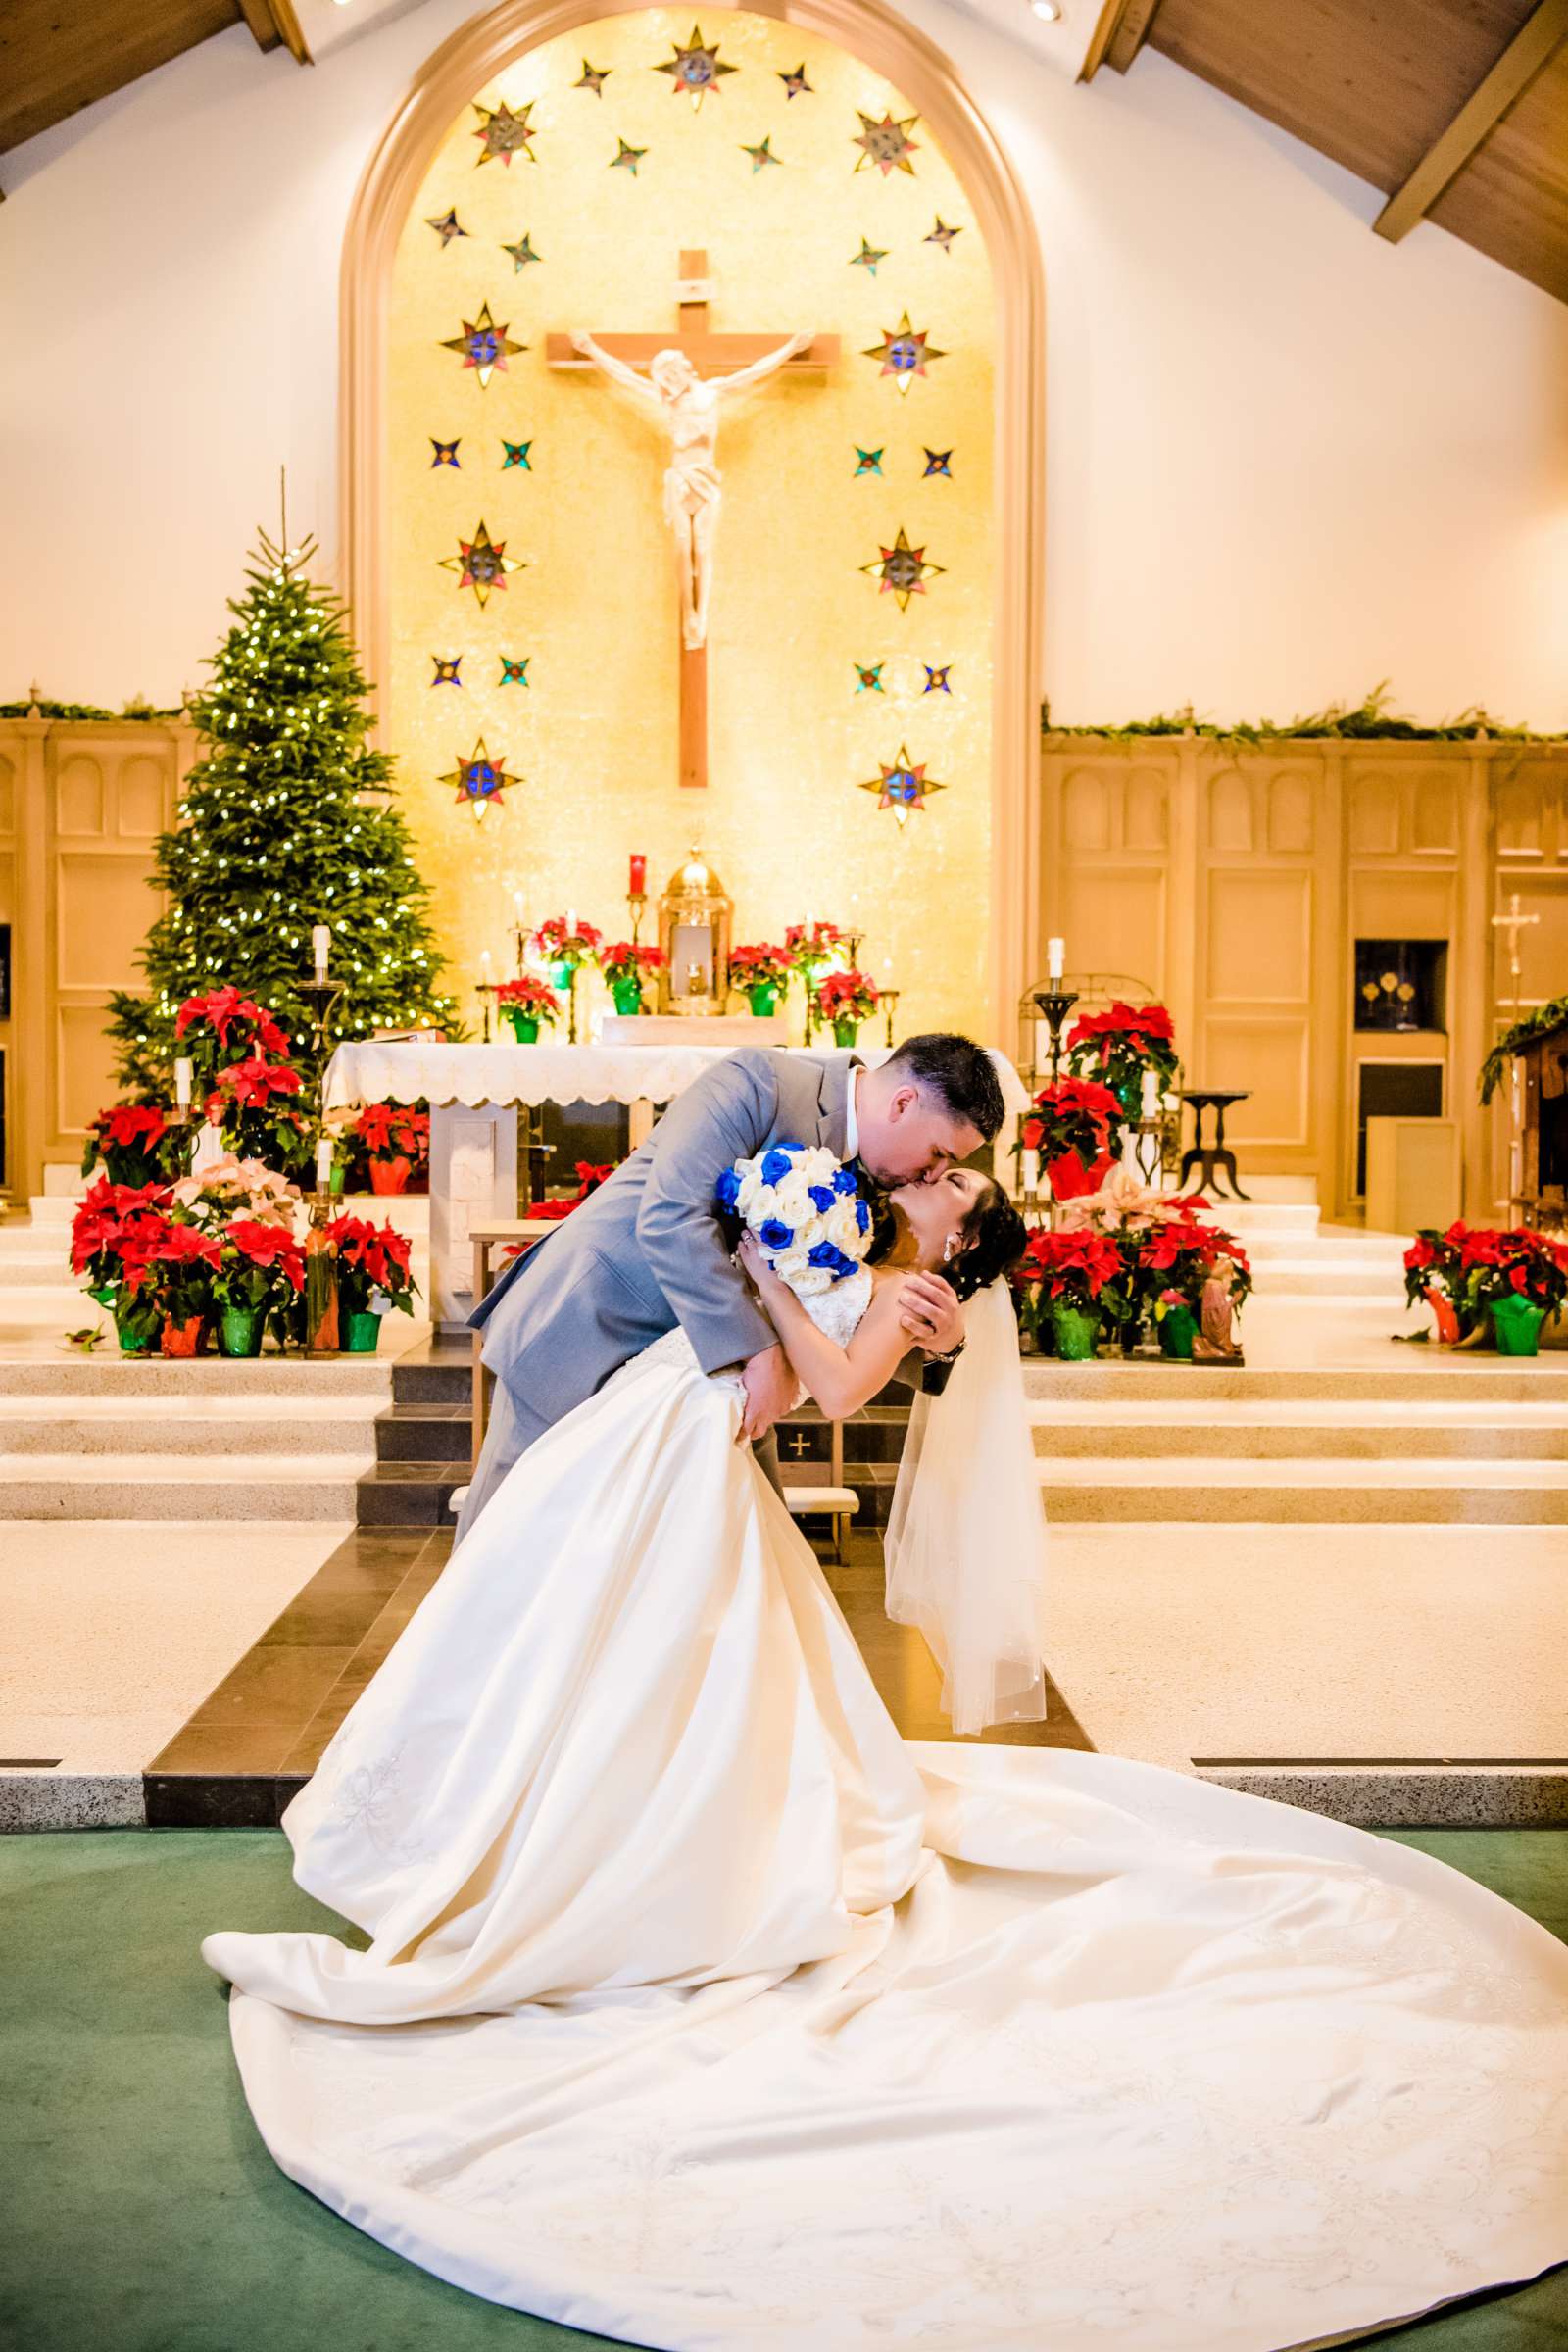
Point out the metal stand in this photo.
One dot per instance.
(1053, 1006)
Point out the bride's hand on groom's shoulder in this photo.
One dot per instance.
(930, 1312)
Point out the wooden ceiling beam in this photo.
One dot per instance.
(1119, 34)
(273, 22)
(1540, 33)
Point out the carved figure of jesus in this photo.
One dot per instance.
(688, 409)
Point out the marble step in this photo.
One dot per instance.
(62, 1374)
(1370, 1282)
(1329, 1490)
(1412, 1377)
(1285, 1430)
(212, 1425)
(293, 1487)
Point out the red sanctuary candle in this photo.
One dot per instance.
(639, 876)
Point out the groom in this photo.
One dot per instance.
(646, 1250)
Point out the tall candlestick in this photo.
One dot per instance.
(1056, 954)
(320, 947)
(184, 1071)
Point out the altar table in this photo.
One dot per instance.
(474, 1093)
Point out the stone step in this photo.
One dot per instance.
(241, 1426)
(1368, 1283)
(1284, 1431)
(178, 1485)
(174, 1382)
(1330, 1491)
(1431, 1378)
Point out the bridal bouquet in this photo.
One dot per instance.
(803, 1207)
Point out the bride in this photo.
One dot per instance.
(702, 2011)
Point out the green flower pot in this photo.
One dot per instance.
(764, 1002)
(106, 1295)
(560, 978)
(134, 1338)
(525, 1025)
(629, 996)
(1076, 1328)
(361, 1333)
(844, 1033)
(1517, 1325)
(1178, 1328)
(240, 1329)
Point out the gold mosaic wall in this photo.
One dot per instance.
(592, 735)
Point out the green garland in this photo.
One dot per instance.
(135, 710)
(1534, 1024)
(1369, 723)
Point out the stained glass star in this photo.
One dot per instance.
(626, 159)
(869, 677)
(480, 780)
(887, 144)
(482, 564)
(516, 455)
(937, 461)
(484, 345)
(505, 132)
(943, 235)
(696, 69)
(447, 226)
(593, 77)
(447, 666)
(903, 570)
(904, 353)
(796, 84)
(514, 673)
(936, 680)
(446, 451)
(867, 461)
(762, 155)
(522, 253)
(868, 257)
(902, 786)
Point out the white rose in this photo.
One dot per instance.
(791, 1267)
(844, 1227)
(750, 1186)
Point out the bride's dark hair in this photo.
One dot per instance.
(994, 1237)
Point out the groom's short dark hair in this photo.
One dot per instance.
(959, 1072)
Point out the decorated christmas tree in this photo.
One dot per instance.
(282, 828)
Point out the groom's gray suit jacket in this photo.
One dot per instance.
(646, 1251)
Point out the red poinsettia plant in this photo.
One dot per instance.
(591, 1174)
(1070, 1124)
(1477, 1266)
(178, 1271)
(809, 944)
(850, 996)
(113, 1230)
(555, 942)
(260, 1264)
(535, 999)
(252, 1104)
(1116, 1046)
(372, 1260)
(224, 1025)
(390, 1131)
(129, 1138)
(628, 960)
(761, 966)
(1082, 1269)
(1179, 1253)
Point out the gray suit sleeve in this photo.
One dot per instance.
(727, 1115)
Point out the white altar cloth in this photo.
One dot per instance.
(368, 1072)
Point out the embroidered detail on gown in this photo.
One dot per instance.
(703, 2012)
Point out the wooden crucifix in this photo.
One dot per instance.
(680, 389)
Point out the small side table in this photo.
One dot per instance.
(1212, 1154)
(485, 1237)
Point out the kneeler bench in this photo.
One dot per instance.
(834, 1500)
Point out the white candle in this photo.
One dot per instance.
(184, 1071)
(1150, 1096)
(484, 968)
(572, 922)
(1031, 1171)
(1056, 954)
(320, 947)
(323, 1164)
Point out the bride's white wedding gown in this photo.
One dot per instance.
(703, 2012)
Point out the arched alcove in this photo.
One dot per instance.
(447, 87)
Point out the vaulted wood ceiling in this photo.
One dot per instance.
(58, 56)
(1456, 109)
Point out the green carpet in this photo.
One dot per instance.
(139, 2211)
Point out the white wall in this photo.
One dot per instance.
(1285, 459)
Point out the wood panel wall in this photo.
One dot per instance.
(1238, 879)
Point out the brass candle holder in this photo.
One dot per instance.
(890, 998)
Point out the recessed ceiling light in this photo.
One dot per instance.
(1048, 10)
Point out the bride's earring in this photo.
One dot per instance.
(947, 1248)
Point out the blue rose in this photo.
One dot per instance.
(846, 1265)
(823, 1196)
(728, 1189)
(776, 1235)
(788, 1143)
(844, 1180)
(776, 1164)
(863, 1216)
(824, 1255)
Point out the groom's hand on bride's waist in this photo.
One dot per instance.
(930, 1312)
(769, 1386)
